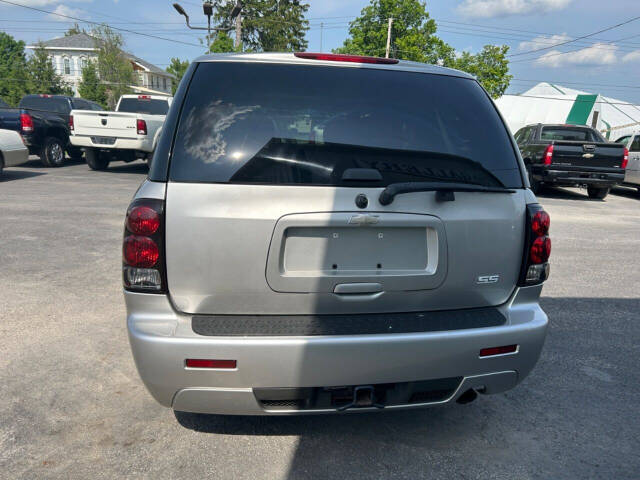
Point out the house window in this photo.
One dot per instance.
(164, 83)
(67, 66)
(83, 63)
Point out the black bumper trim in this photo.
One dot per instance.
(352, 324)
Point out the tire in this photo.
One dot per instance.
(598, 193)
(95, 160)
(52, 152)
(74, 153)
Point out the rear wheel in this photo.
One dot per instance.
(534, 184)
(96, 160)
(52, 153)
(597, 192)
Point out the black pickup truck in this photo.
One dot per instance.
(43, 122)
(571, 155)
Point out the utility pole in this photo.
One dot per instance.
(386, 55)
(238, 40)
(321, 31)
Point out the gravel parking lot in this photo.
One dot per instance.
(74, 407)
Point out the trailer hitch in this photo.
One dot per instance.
(363, 396)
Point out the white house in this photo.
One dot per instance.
(70, 55)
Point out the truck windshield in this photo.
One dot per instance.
(143, 105)
(299, 124)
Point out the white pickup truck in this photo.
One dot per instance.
(128, 133)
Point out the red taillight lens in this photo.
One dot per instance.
(625, 158)
(143, 267)
(204, 363)
(540, 223)
(540, 250)
(140, 252)
(70, 122)
(339, 57)
(141, 126)
(488, 352)
(143, 220)
(547, 156)
(26, 123)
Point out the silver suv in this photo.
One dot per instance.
(324, 233)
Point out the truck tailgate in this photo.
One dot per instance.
(104, 124)
(589, 155)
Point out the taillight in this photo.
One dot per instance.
(26, 123)
(141, 126)
(625, 158)
(535, 266)
(143, 247)
(547, 156)
(71, 122)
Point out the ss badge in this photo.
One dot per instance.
(485, 279)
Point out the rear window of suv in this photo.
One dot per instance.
(570, 134)
(298, 124)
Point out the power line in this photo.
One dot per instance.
(578, 38)
(100, 23)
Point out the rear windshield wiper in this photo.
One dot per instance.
(444, 190)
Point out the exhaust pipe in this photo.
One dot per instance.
(467, 397)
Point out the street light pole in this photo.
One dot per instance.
(207, 8)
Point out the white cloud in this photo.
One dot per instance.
(542, 42)
(597, 54)
(503, 8)
(632, 56)
(65, 10)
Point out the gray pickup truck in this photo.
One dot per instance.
(571, 155)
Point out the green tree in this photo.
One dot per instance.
(13, 69)
(42, 75)
(269, 25)
(75, 30)
(177, 67)
(413, 37)
(90, 87)
(222, 43)
(114, 68)
(489, 66)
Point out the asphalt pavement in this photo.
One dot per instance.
(73, 405)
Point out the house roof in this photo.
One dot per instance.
(87, 42)
(79, 40)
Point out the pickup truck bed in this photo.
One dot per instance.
(571, 155)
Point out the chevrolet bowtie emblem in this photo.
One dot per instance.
(364, 219)
(588, 155)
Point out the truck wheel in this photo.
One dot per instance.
(534, 184)
(52, 153)
(96, 160)
(75, 153)
(598, 193)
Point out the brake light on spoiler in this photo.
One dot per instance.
(339, 57)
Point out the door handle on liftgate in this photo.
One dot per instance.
(357, 288)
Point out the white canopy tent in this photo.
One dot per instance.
(550, 103)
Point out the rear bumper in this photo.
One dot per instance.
(574, 177)
(140, 144)
(162, 339)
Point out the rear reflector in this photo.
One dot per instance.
(488, 352)
(203, 363)
(339, 57)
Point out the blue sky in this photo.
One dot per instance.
(607, 63)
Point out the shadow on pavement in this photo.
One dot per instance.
(137, 167)
(627, 192)
(8, 174)
(565, 405)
